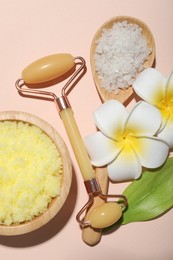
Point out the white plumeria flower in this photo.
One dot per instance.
(126, 142)
(157, 90)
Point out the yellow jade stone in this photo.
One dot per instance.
(48, 68)
(105, 215)
(77, 144)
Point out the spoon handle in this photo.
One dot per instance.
(89, 235)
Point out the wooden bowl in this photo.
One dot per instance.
(123, 95)
(57, 202)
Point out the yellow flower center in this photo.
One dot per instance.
(166, 109)
(127, 139)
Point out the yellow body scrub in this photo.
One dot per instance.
(30, 172)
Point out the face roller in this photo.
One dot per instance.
(48, 69)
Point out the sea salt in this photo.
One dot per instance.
(120, 55)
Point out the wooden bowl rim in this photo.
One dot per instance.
(124, 95)
(57, 202)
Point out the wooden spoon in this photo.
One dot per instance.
(89, 235)
(123, 95)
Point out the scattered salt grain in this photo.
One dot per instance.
(120, 55)
(30, 172)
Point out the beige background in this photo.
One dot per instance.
(35, 28)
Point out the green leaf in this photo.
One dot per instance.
(151, 195)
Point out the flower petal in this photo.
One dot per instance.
(167, 133)
(125, 167)
(102, 150)
(169, 89)
(144, 119)
(150, 86)
(152, 151)
(165, 114)
(110, 118)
